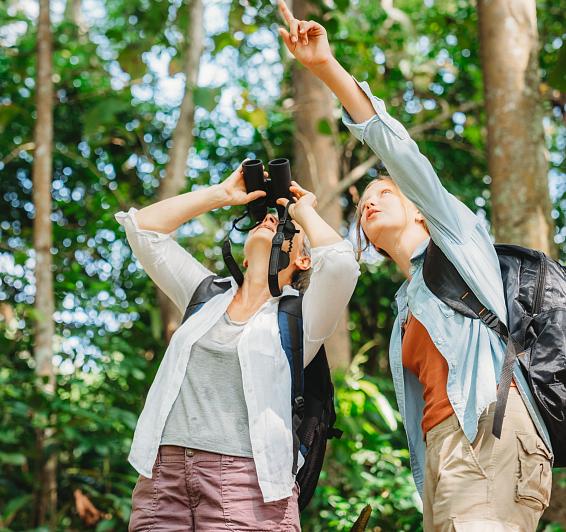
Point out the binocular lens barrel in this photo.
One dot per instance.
(254, 180)
(280, 173)
(253, 174)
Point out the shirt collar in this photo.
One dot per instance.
(419, 250)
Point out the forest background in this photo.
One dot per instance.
(108, 104)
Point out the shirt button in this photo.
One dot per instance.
(190, 452)
(440, 340)
(418, 310)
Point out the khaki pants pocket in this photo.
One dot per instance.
(535, 472)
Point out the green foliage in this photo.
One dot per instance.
(368, 465)
(112, 136)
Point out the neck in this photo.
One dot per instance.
(402, 249)
(255, 290)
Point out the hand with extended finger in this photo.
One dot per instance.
(304, 201)
(234, 189)
(306, 39)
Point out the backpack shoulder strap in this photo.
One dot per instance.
(290, 321)
(205, 291)
(445, 282)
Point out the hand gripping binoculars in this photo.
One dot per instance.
(276, 186)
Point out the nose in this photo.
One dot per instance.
(370, 202)
(270, 218)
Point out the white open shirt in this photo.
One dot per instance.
(266, 375)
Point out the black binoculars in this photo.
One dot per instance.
(276, 185)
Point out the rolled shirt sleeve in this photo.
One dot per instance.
(172, 268)
(334, 276)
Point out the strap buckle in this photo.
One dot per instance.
(299, 405)
(490, 319)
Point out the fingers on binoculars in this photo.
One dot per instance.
(282, 201)
(256, 194)
(296, 187)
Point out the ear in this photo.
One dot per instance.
(245, 263)
(303, 262)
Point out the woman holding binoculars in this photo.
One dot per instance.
(445, 365)
(213, 444)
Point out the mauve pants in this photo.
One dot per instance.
(194, 490)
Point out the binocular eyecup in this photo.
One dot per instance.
(276, 185)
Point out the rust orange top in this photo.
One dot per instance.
(421, 357)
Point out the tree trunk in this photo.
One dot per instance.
(516, 147)
(46, 497)
(182, 140)
(317, 164)
(73, 13)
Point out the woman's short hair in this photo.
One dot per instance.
(301, 278)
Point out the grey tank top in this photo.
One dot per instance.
(210, 411)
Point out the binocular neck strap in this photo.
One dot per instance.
(274, 267)
(231, 263)
(229, 260)
(279, 259)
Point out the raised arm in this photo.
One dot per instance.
(149, 232)
(368, 119)
(308, 42)
(334, 272)
(169, 214)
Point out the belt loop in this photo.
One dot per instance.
(455, 421)
(158, 458)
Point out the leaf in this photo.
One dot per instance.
(222, 40)
(103, 113)
(324, 127)
(207, 97)
(16, 459)
(256, 117)
(557, 75)
(130, 59)
(386, 411)
(7, 114)
(14, 506)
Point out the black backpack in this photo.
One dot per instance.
(312, 393)
(535, 294)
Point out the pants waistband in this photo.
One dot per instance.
(175, 453)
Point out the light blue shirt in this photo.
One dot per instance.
(473, 352)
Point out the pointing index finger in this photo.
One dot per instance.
(285, 11)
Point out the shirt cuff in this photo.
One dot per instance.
(128, 220)
(381, 116)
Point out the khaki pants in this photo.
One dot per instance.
(489, 485)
